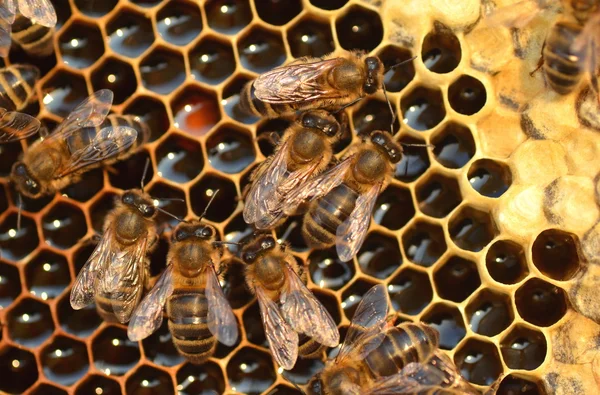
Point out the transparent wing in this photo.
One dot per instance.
(585, 46)
(8, 11)
(16, 126)
(221, 321)
(517, 15)
(306, 314)
(5, 40)
(148, 315)
(283, 340)
(38, 11)
(350, 235)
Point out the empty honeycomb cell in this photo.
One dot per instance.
(454, 145)
(506, 262)
(63, 12)
(101, 208)
(153, 113)
(397, 75)
(96, 384)
(410, 291)
(228, 16)
(159, 347)
(523, 348)
(212, 60)
(130, 33)
(47, 275)
(128, 174)
(250, 371)
(235, 286)
(179, 22)
(329, 4)
(9, 154)
(478, 361)
(448, 321)
(330, 303)
(394, 208)
(471, 229)
(17, 369)
(10, 285)
(261, 50)
(86, 188)
(80, 323)
(490, 178)
(158, 258)
(438, 195)
(441, 51)
(147, 380)
(310, 36)
(195, 111)
(278, 12)
(253, 326)
(379, 255)
(63, 92)
(169, 199)
(81, 45)
(179, 159)
(265, 129)
(352, 296)
(540, 303)
(94, 8)
(163, 70)
(489, 312)
(47, 389)
(63, 226)
(223, 205)
(202, 379)
(230, 150)
(231, 99)
(512, 384)
(554, 253)
(373, 114)
(456, 279)
(424, 243)
(16, 243)
(113, 353)
(422, 108)
(327, 271)
(29, 323)
(359, 28)
(237, 230)
(467, 95)
(285, 390)
(117, 76)
(64, 360)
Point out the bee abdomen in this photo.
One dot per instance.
(252, 105)
(309, 348)
(35, 39)
(133, 122)
(562, 66)
(16, 86)
(582, 9)
(105, 303)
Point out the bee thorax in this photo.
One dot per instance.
(306, 146)
(269, 272)
(191, 258)
(129, 227)
(370, 166)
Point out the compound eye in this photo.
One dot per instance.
(394, 156)
(249, 257)
(128, 198)
(206, 232)
(377, 138)
(332, 130)
(180, 235)
(21, 170)
(149, 211)
(268, 243)
(372, 63)
(33, 187)
(309, 121)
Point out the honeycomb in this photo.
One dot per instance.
(492, 236)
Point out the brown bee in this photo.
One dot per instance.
(303, 153)
(379, 358)
(40, 12)
(287, 306)
(36, 40)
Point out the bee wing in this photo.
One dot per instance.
(586, 44)
(8, 11)
(221, 321)
(38, 11)
(283, 340)
(517, 15)
(16, 126)
(306, 314)
(297, 83)
(350, 235)
(148, 315)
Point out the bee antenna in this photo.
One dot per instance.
(288, 232)
(233, 243)
(19, 212)
(214, 195)
(170, 214)
(342, 108)
(171, 199)
(285, 376)
(416, 145)
(390, 106)
(144, 173)
(401, 63)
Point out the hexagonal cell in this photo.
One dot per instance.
(113, 353)
(95, 8)
(65, 360)
(130, 33)
(422, 108)
(235, 286)
(212, 60)
(250, 371)
(117, 76)
(310, 36)
(158, 257)
(456, 279)
(200, 379)
(454, 145)
(276, 12)
(15, 243)
(394, 208)
(467, 95)
(490, 178)
(541, 303)
(373, 114)
(223, 205)
(86, 188)
(512, 384)
(523, 348)
(359, 28)
(253, 326)
(379, 255)
(163, 70)
(179, 159)
(47, 389)
(424, 243)
(153, 113)
(230, 150)
(129, 172)
(231, 99)
(441, 51)
(489, 313)
(555, 253)
(159, 347)
(396, 78)
(329, 4)
(101, 208)
(415, 160)
(449, 323)
(195, 111)
(478, 361)
(18, 370)
(261, 50)
(96, 384)
(63, 226)
(327, 271)
(81, 45)
(169, 199)
(352, 296)
(472, 229)
(63, 92)
(410, 291)
(228, 16)
(179, 22)
(47, 275)
(506, 262)
(438, 195)
(10, 284)
(81, 323)
(149, 380)
(29, 323)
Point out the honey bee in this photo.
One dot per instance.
(287, 307)
(40, 12)
(77, 145)
(379, 358)
(36, 40)
(304, 152)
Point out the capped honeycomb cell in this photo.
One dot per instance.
(94, 8)
(179, 22)
(200, 379)
(179, 159)
(438, 195)
(448, 321)
(490, 178)
(261, 50)
(554, 253)
(394, 208)
(153, 113)
(63, 92)
(379, 255)
(250, 371)
(18, 370)
(454, 145)
(10, 284)
(81, 45)
(456, 279)
(117, 76)
(63, 226)
(397, 75)
(47, 275)
(128, 173)
(352, 296)
(16, 243)
(523, 348)
(327, 271)
(159, 348)
(230, 149)
(415, 160)
(96, 384)
(212, 60)
(113, 353)
(478, 361)
(506, 263)
(410, 291)
(170, 199)
(277, 12)
(130, 33)
(81, 323)
(424, 243)
(163, 70)
(513, 384)
(29, 323)
(223, 204)
(489, 312)
(228, 16)
(359, 28)
(373, 114)
(64, 360)
(47, 389)
(422, 108)
(441, 52)
(310, 36)
(471, 229)
(467, 95)
(540, 303)
(149, 380)
(86, 188)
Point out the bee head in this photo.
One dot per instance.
(374, 78)
(384, 142)
(198, 230)
(135, 199)
(322, 121)
(260, 245)
(24, 181)
(315, 386)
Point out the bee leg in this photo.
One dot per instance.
(540, 62)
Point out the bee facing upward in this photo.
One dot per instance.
(38, 11)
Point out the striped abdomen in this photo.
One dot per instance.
(251, 105)
(188, 322)
(583, 9)
(105, 302)
(16, 86)
(36, 40)
(309, 348)
(563, 67)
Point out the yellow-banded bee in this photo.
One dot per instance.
(36, 40)
(40, 12)
(287, 306)
(379, 358)
(16, 92)
(304, 152)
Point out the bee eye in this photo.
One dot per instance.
(149, 211)
(268, 243)
(180, 235)
(377, 138)
(20, 169)
(204, 233)
(309, 121)
(372, 63)
(127, 198)
(249, 257)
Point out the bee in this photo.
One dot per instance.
(36, 40)
(304, 152)
(379, 358)
(77, 145)
(39, 12)
(287, 307)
